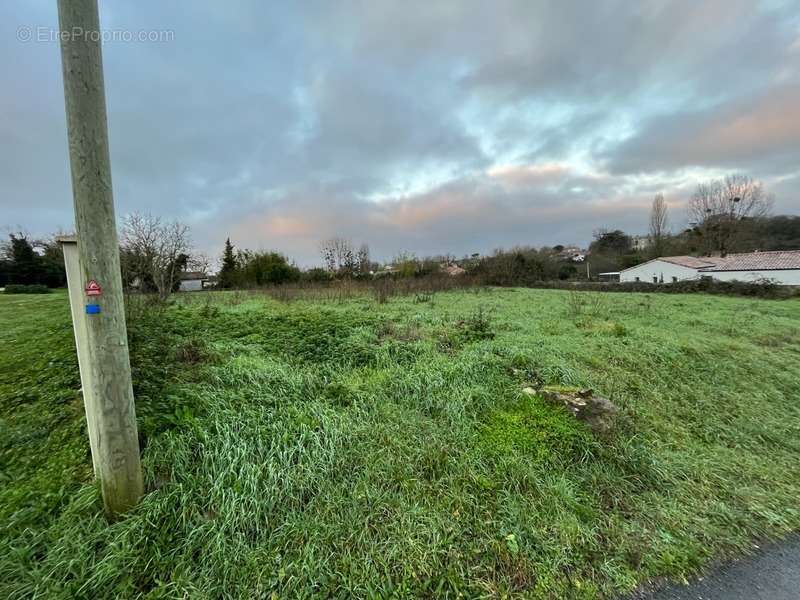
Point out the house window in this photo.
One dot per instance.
(655, 279)
(674, 280)
(637, 280)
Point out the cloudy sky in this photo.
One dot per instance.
(439, 126)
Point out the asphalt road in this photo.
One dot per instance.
(771, 573)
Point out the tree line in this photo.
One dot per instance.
(731, 214)
(28, 261)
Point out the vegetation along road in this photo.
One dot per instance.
(770, 573)
(339, 446)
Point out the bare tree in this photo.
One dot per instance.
(720, 209)
(338, 256)
(362, 260)
(155, 251)
(199, 261)
(658, 224)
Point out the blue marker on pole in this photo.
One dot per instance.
(92, 309)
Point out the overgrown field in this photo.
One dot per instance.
(358, 449)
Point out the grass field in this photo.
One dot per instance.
(356, 449)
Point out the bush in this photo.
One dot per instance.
(256, 269)
(15, 288)
(317, 275)
(476, 326)
(693, 286)
(268, 268)
(518, 267)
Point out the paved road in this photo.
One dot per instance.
(773, 573)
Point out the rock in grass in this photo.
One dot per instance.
(596, 411)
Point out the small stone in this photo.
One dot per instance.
(529, 390)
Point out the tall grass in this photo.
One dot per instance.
(382, 289)
(327, 447)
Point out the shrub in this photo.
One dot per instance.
(15, 288)
(192, 350)
(265, 268)
(476, 326)
(317, 275)
(517, 267)
(696, 286)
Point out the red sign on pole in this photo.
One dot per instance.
(93, 288)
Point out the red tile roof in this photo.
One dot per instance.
(756, 261)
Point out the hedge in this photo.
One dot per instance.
(16, 288)
(689, 286)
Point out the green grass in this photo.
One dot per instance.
(358, 449)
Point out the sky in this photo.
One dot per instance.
(452, 126)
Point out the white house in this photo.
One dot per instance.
(666, 269)
(192, 281)
(640, 242)
(782, 267)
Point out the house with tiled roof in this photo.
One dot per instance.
(782, 267)
(191, 281)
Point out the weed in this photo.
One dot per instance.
(534, 430)
(382, 290)
(476, 326)
(575, 302)
(192, 351)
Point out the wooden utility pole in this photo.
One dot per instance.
(114, 420)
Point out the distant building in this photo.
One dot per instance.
(640, 242)
(454, 270)
(608, 276)
(781, 267)
(193, 281)
(385, 270)
(572, 253)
